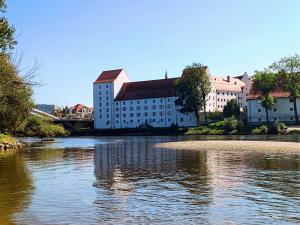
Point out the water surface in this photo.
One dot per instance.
(125, 180)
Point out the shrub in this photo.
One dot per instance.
(7, 139)
(217, 125)
(215, 116)
(231, 109)
(230, 124)
(260, 130)
(216, 132)
(234, 132)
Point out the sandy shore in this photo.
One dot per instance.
(260, 146)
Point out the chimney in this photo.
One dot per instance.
(228, 79)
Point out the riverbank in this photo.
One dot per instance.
(8, 142)
(253, 146)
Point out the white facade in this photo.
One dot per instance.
(111, 112)
(282, 111)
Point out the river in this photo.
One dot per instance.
(125, 180)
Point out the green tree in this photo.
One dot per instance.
(192, 90)
(288, 70)
(265, 82)
(15, 97)
(7, 40)
(231, 108)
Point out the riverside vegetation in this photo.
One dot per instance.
(16, 92)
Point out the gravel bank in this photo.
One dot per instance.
(260, 146)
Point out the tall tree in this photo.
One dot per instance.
(7, 40)
(288, 70)
(192, 90)
(265, 82)
(231, 108)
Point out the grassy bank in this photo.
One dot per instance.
(7, 139)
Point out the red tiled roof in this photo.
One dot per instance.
(108, 76)
(276, 94)
(78, 108)
(147, 89)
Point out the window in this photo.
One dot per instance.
(130, 102)
(138, 121)
(161, 120)
(124, 115)
(100, 104)
(169, 100)
(117, 109)
(124, 109)
(275, 109)
(117, 115)
(153, 101)
(181, 119)
(124, 103)
(161, 101)
(107, 110)
(153, 120)
(291, 109)
(145, 114)
(138, 102)
(100, 116)
(107, 116)
(218, 93)
(131, 114)
(169, 120)
(291, 100)
(107, 104)
(138, 107)
(131, 121)
(145, 101)
(145, 107)
(292, 118)
(161, 106)
(259, 119)
(169, 113)
(99, 86)
(100, 98)
(259, 110)
(117, 121)
(100, 110)
(169, 106)
(138, 115)
(107, 92)
(161, 113)
(117, 103)
(153, 113)
(131, 108)
(153, 106)
(275, 118)
(107, 86)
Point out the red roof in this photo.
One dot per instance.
(78, 108)
(147, 89)
(253, 94)
(108, 76)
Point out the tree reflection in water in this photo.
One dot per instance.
(15, 186)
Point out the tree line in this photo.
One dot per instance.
(193, 87)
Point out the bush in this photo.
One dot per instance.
(215, 116)
(220, 125)
(7, 139)
(231, 109)
(260, 130)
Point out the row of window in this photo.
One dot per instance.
(139, 101)
(275, 118)
(152, 120)
(131, 108)
(223, 93)
(100, 93)
(275, 110)
(103, 85)
(146, 114)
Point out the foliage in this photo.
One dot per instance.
(15, 97)
(232, 124)
(215, 116)
(274, 128)
(7, 139)
(265, 82)
(260, 130)
(288, 70)
(204, 131)
(219, 125)
(231, 108)
(192, 90)
(7, 40)
(43, 128)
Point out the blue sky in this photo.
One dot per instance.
(75, 40)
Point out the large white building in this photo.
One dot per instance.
(282, 110)
(120, 103)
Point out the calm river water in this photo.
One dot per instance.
(127, 181)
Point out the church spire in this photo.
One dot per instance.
(166, 74)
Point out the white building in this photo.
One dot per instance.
(120, 103)
(80, 111)
(281, 111)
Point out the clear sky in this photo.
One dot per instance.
(76, 39)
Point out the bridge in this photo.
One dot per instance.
(70, 124)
